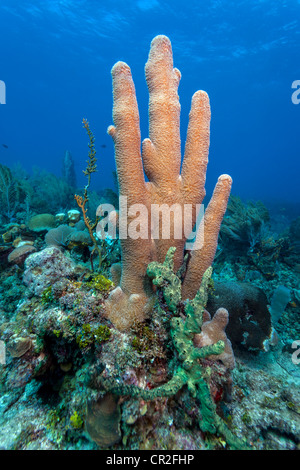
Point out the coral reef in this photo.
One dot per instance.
(103, 421)
(246, 233)
(158, 352)
(244, 223)
(59, 236)
(189, 371)
(45, 267)
(60, 346)
(20, 253)
(212, 331)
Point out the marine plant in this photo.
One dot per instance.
(76, 421)
(100, 283)
(90, 335)
(82, 201)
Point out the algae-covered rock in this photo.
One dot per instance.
(44, 268)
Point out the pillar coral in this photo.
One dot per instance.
(159, 157)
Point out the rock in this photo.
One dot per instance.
(44, 268)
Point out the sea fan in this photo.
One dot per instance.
(9, 193)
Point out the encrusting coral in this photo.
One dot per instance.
(161, 159)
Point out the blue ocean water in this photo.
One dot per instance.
(56, 58)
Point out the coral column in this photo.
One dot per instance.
(167, 192)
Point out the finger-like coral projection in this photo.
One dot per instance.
(168, 188)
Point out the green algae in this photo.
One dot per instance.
(90, 335)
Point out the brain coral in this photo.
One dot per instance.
(19, 254)
(80, 237)
(41, 222)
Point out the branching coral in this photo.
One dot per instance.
(161, 159)
(189, 370)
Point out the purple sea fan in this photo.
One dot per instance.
(59, 236)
